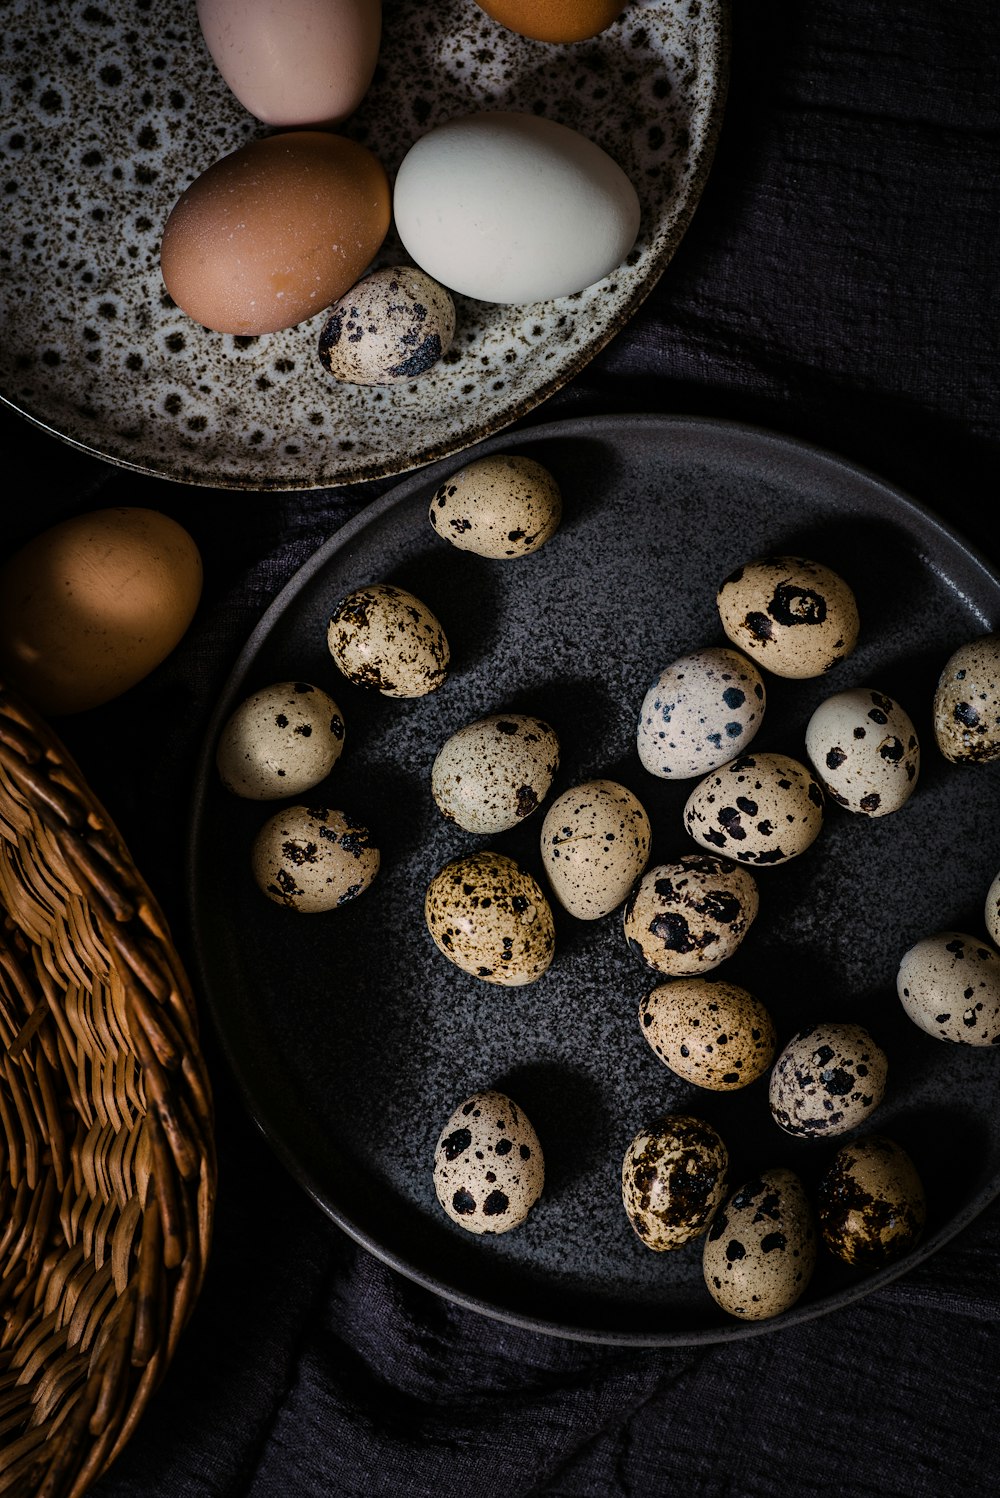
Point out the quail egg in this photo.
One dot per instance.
(828, 1079)
(281, 740)
(490, 918)
(310, 858)
(595, 842)
(489, 1170)
(759, 809)
(689, 916)
(949, 985)
(384, 638)
(491, 774)
(713, 1034)
(673, 1179)
(794, 616)
(966, 704)
(760, 1252)
(500, 507)
(864, 749)
(391, 326)
(700, 712)
(992, 911)
(871, 1202)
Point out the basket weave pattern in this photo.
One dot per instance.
(107, 1159)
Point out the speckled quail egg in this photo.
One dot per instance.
(871, 1202)
(700, 712)
(674, 1177)
(384, 638)
(992, 911)
(689, 916)
(759, 809)
(490, 918)
(949, 985)
(829, 1078)
(712, 1033)
(864, 749)
(500, 507)
(489, 1170)
(760, 1252)
(491, 774)
(310, 858)
(392, 326)
(966, 705)
(794, 616)
(595, 842)
(281, 740)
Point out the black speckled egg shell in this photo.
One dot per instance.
(760, 1252)
(827, 1080)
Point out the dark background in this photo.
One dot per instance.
(838, 284)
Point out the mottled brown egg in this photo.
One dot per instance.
(828, 1079)
(967, 703)
(595, 842)
(501, 506)
(491, 774)
(489, 1170)
(383, 638)
(712, 1033)
(274, 232)
(795, 617)
(490, 918)
(90, 606)
(949, 985)
(871, 1202)
(760, 1252)
(691, 915)
(864, 749)
(554, 20)
(673, 1179)
(312, 858)
(759, 809)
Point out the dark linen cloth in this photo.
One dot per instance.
(839, 283)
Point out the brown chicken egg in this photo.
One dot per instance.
(91, 605)
(554, 20)
(274, 232)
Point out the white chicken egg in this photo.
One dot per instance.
(384, 638)
(500, 506)
(759, 809)
(701, 711)
(491, 774)
(311, 858)
(949, 985)
(595, 842)
(281, 740)
(513, 207)
(489, 1169)
(864, 749)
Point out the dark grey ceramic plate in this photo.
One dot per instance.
(353, 1038)
(108, 113)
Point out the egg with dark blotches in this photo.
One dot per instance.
(828, 1079)
(673, 1179)
(691, 915)
(991, 912)
(864, 749)
(793, 616)
(312, 858)
(701, 711)
(949, 985)
(595, 842)
(966, 705)
(714, 1034)
(280, 741)
(871, 1202)
(491, 774)
(489, 1170)
(760, 1252)
(392, 326)
(759, 809)
(490, 918)
(501, 506)
(384, 638)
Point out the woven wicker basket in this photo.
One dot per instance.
(107, 1156)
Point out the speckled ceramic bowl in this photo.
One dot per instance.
(108, 116)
